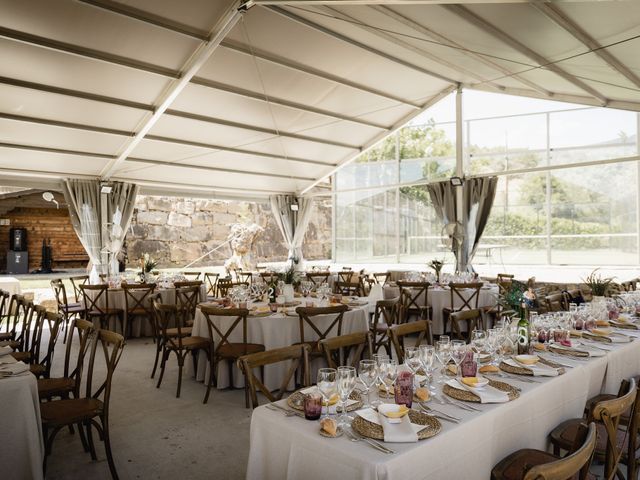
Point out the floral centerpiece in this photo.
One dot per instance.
(290, 276)
(436, 265)
(147, 264)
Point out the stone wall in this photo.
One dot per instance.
(176, 231)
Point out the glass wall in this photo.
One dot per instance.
(567, 191)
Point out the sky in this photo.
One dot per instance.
(578, 127)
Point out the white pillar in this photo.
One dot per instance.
(459, 169)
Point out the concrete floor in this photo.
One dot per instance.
(156, 435)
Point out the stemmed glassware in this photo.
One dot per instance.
(389, 373)
(379, 358)
(479, 341)
(494, 342)
(327, 386)
(346, 380)
(458, 352)
(427, 357)
(305, 289)
(368, 373)
(443, 353)
(412, 360)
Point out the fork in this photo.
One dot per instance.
(354, 437)
(439, 414)
(285, 411)
(464, 406)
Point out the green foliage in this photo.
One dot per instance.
(598, 284)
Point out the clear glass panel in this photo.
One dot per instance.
(593, 214)
(516, 229)
(507, 143)
(592, 134)
(365, 226)
(420, 229)
(427, 152)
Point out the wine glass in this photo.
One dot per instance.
(346, 380)
(305, 288)
(493, 344)
(412, 360)
(379, 358)
(443, 353)
(389, 373)
(478, 341)
(327, 386)
(427, 357)
(368, 373)
(458, 352)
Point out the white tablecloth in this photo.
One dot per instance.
(141, 326)
(291, 448)
(11, 285)
(441, 298)
(21, 447)
(274, 331)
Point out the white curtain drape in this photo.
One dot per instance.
(292, 224)
(465, 232)
(84, 200)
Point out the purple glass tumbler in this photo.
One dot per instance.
(404, 389)
(312, 405)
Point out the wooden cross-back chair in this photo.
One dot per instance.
(5, 334)
(381, 277)
(347, 349)
(224, 347)
(398, 334)
(472, 318)
(67, 309)
(169, 322)
(211, 280)
(345, 276)
(96, 302)
(414, 300)
(76, 283)
(309, 320)
(504, 281)
(244, 277)
(192, 275)
(69, 383)
(556, 302)
(607, 415)
(530, 464)
(298, 355)
(9, 319)
(93, 406)
(269, 277)
(224, 285)
(137, 300)
(386, 314)
(22, 313)
(42, 350)
(467, 294)
(318, 278)
(187, 299)
(29, 333)
(348, 288)
(187, 283)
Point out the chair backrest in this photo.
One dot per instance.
(224, 285)
(192, 275)
(187, 298)
(298, 355)
(347, 288)
(468, 316)
(111, 345)
(347, 349)
(387, 311)
(318, 278)
(76, 282)
(97, 302)
(308, 316)
(5, 313)
(222, 334)
(138, 296)
(168, 316)
(45, 321)
(15, 313)
(60, 292)
(399, 332)
(467, 293)
(244, 277)
(269, 277)
(381, 278)
(609, 413)
(345, 276)
(574, 463)
(24, 334)
(188, 283)
(413, 296)
(85, 331)
(556, 302)
(211, 280)
(33, 321)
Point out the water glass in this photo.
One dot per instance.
(379, 358)
(368, 373)
(443, 353)
(389, 371)
(458, 352)
(346, 380)
(327, 385)
(427, 358)
(412, 361)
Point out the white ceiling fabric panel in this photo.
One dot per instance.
(291, 93)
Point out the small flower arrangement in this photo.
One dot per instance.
(436, 265)
(148, 263)
(599, 286)
(290, 276)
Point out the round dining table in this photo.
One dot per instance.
(22, 449)
(273, 331)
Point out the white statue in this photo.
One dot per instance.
(241, 237)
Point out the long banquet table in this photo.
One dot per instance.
(22, 449)
(273, 331)
(290, 447)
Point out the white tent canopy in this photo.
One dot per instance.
(202, 97)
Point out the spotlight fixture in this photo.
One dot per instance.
(294, 207)
(457, 181)
(104, 188)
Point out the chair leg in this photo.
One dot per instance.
(211, 372)
(155, 363)
(107, 447)
(165, 355)
(92, 448)
(83, 438)
(180, 365)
